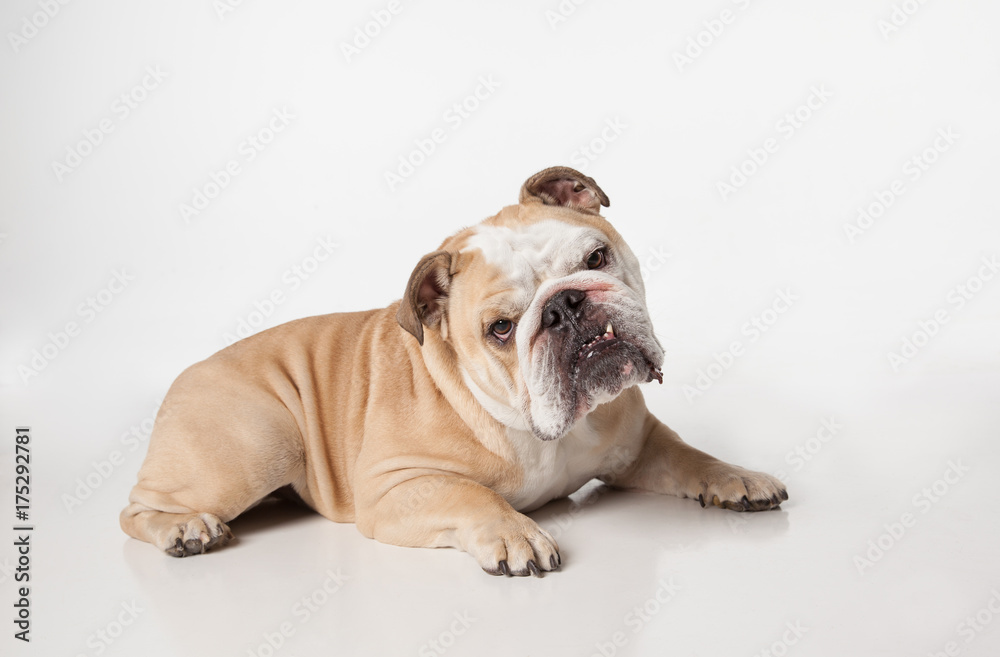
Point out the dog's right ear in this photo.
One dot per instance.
(566, 187)
(426, 294)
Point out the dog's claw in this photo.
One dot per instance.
(701, 500)
(504, 568)
(178, 549)
(533, 568)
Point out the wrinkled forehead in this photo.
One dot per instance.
(525, 255)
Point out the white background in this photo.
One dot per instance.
(738, 581)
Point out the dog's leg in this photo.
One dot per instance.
(668, 465)
(204, 468)
(450, 511)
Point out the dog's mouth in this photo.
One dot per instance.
(600, 342)
(606, 345)
(587, 357)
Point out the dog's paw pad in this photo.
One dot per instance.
(198, 534)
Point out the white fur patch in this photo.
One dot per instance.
(554, 468)
(531, 253)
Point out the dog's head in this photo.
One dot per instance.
(542, 305)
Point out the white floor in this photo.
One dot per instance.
(657, 575)
(800, 149)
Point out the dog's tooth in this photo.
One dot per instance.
(609, 331)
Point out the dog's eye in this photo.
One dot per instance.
(596, 259)
(502, 329)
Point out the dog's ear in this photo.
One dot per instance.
(566, 187)
(426, 294)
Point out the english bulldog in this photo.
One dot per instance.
(506, 377)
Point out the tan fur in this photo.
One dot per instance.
(367, 417)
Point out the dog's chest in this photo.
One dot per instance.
(555, 468)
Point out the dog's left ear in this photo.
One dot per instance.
(566, 187)
(426, 294)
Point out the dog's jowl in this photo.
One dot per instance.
(507, 376)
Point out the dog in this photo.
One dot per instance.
(506, 377)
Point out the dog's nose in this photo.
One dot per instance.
(563, 307)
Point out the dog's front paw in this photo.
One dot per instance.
(739, 489)
(513, 546)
